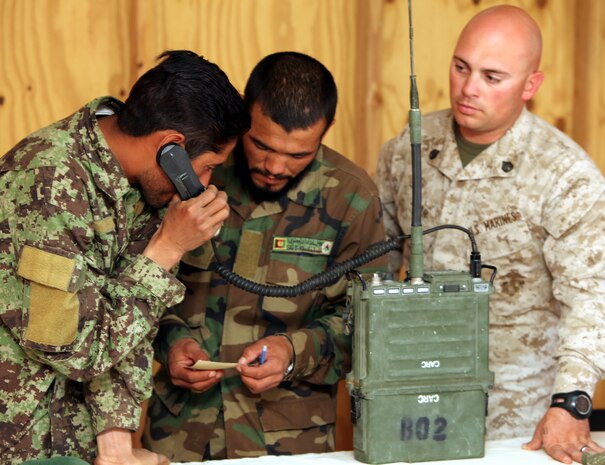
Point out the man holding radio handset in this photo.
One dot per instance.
(86, 254)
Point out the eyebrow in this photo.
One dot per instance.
(293, 154)
(485, 70)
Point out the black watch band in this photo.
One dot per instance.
(578, 403)
(290, 368)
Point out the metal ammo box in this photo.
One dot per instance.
(420, 367)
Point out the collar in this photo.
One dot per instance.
(106, 170)
(501, 159)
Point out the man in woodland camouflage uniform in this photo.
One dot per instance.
(536, 204)
(85, 259)
(296, 208)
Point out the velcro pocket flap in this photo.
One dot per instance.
(47, 268)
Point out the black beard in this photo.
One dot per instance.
(257, 194)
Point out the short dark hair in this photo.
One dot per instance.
(186, 93)
(293, 89)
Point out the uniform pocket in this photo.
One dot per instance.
(292, 269)
(523, 281)
(172, 397)
(193, 309)
(53, 312)
(298, 414)
(504, 241)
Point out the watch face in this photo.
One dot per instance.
(582, 404)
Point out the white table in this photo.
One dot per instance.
(501, 452)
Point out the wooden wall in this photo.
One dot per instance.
(56, 55)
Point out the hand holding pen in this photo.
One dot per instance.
(264, 362)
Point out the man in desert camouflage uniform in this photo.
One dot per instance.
(85, 260)
(296, 207)
(535, 203)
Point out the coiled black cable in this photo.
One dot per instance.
(332, 274)
(318, 281)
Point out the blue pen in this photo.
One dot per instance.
(263, 355)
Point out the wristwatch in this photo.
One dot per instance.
(578, 403)
(290, 368)
(288, 371)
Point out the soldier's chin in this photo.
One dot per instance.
(272, 189)
(261, 192)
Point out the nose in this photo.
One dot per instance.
(469, 88)
(205, 178)
(275, 164)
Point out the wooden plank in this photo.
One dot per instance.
(56, 55)
(589, 97)
(589, 93)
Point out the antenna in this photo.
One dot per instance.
(416, 246)
(432, 405)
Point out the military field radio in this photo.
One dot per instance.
(420, 349)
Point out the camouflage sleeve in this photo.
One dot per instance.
(73, 315)
(576, 262)
(114, 398)
(387, 189)
(172, 328)
(322, 350)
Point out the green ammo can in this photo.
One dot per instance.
(420, 367)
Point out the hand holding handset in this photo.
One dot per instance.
(176, 164)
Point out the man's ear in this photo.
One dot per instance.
(327, 128)
(532, 84)
(170, 136)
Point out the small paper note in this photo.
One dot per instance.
(210, 365)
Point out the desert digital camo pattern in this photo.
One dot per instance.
(76, 296)
(534, 201)
(333, 214)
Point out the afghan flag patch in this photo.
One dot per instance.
(302, 245)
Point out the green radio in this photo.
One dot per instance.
(420, 374)
(420, 378)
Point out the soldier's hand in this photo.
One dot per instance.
(562, 436)
(115, 448)
(137, 457)
(146, 457)
(182, 355)
(187, 225)
(259, 378)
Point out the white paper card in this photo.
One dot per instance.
(210, 365)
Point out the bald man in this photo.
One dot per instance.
(535, 203)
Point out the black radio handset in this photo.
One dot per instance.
(176, 164)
